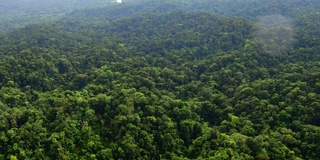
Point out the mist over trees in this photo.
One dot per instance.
(18, 13)
(151, 79)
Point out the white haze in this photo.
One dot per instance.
(274, 34)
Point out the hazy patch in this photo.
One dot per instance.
(274, 34)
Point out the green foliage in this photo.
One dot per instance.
(168, 85)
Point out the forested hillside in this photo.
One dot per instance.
(244, 8)
(164, 81)
(19, 13)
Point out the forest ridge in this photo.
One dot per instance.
(164, 80)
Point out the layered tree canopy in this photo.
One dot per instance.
(164, 80)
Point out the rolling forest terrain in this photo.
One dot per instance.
(145, 79)
(19, 13)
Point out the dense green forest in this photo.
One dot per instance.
(165, 80)
(19, 13)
